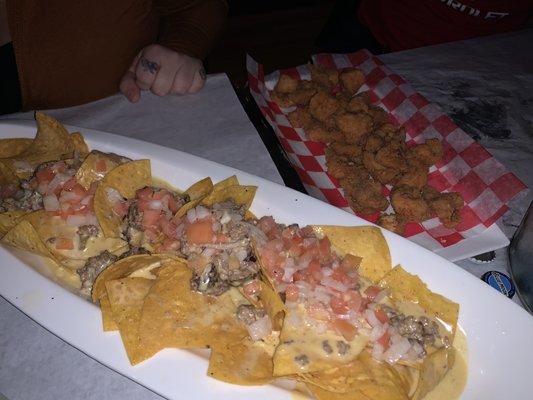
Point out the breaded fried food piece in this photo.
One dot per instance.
(317, 132)
(355, 127)
(364, 195)
(379, 172)
(351, 79)
(346, 149)
(391, 155)
(342, 167)
(408, 202)
(286, 84)
(357, 104)
(447, 206)
(281, 99)
(389, 132)
(302, 95)
(392, 222)
(300, 118)
(326, 77)
(416, 177)
(429, 152)
(374, 143)
(322, 106)
(379, 115)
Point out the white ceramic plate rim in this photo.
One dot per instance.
(498, 330)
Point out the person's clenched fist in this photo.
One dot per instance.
(162, 71)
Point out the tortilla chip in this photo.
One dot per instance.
(273, 305)
(196, 193)
(360, 379)
(23, 236)
(302, 339)
(242, 362)
(9, 219)
(364, 241)
(434, 368)
(126, 267)
(241, 195)
(175, 316)
(12, 147)
(126, 179)
(126, 297)
(108, 323)
(79, 144)
(407, 288)
(88, 173)
(231, 181)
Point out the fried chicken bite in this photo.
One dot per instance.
(346, 149)
(300, 118)
(379, 115)
(416, 177)
(374, 143)
(302, 95)
(322, 106)
(341, 167)
(286, 84)
(391, 155)
(351, 79)
(392, 222)
(327, 77)
(364, 195)
(429, 152)
(389, 132)
(409, 203)
(317, 132)
(355, 127)
(379, 172)
(447, 206)
(281, 99)
(357, 104)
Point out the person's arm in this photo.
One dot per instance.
(173, 65)
(190, 27)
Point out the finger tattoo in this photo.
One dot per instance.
(202, 73)
(150, 66)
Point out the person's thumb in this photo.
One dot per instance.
(129, 88)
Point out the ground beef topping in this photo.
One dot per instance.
(20, 197)
(421, 330)
(248, 313)
(92, 268)
(85, 232)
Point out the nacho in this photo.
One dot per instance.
(9, 219)
(96, 165)
(12, 147)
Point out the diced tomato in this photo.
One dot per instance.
(100, 166)
(144, 193)
(341, 277)
(315, 270)
(170, 245)
(324, 249)
(78, 190)
(338, 305)
(168, 228)
(344, 328)
(275, 245)
(381, 315)
(173, 204)
(221, 238)
(292, 292)
(384, 340)
(45, 175)
(200, 232)
(269, 258)
(266, 224)
(295, 249)
(372, 291)
(160, 194)
(150, 217)
(120, 208)
(252, 288)
(307, 231)
(68, 185)
(354, 300)
(277, 273)
(350, 263)
(62, 243)
(151, 233)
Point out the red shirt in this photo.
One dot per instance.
(406, 24)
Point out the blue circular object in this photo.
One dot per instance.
(500, 282)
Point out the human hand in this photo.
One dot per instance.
(162, 71)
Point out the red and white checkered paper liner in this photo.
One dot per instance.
(466, 167)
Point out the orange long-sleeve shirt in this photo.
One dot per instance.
(72, 52)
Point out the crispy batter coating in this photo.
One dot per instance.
(355, 127)
(281, 99)
(300, 118)
(364, 195)
(342, 167)
(416, 177)
(391, 155)
(390, 132)
(374, 143)
(379, 172)
(324, 76)
(429, 152)
(392, 222)
(317, 132)
(408, 202)
(357, 104)
(447, 206)
(301, 96)
(351, 79)
(379, 115)
(322, 106)
(346, 149)
(286, 84)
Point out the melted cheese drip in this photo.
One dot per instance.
(453, 384)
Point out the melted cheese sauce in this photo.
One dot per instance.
(453, 384)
